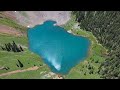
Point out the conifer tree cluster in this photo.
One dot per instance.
(12, 47)
(105, 25)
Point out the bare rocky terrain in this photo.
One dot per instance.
(32, 18)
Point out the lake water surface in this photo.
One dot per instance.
(60, 50)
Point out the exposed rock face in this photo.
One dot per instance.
(32, 18)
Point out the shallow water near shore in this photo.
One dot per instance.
(60, 50)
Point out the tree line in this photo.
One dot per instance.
(105, 25)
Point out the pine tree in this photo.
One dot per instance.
(20, 64)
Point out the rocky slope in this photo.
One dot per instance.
(32, 18)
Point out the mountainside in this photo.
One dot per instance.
(32, 18)
(105, 25)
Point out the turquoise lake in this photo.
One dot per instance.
(60, 50)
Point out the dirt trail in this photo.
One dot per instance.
(17, 71)
(9, 30)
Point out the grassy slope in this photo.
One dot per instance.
(9, 59)
(29, 59)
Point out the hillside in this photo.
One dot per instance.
(32, 18)
(105, 26)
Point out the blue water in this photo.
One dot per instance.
(59, 49)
